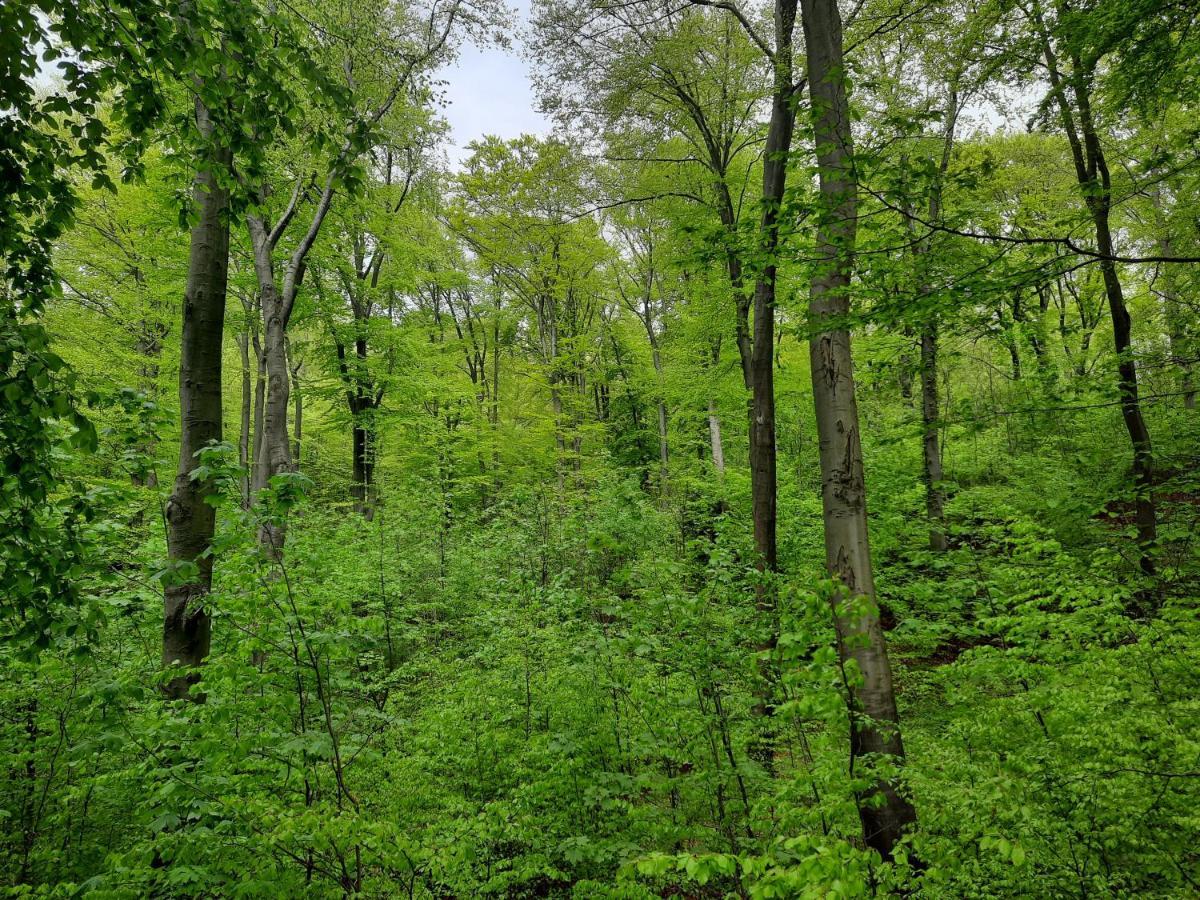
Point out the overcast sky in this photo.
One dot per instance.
(488, 92)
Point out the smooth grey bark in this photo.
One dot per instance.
(714, 438)
(298, 406)
(187, 628)
(874, 723)
(260, 403)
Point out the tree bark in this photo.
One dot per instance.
(243, 340)
(714, 437)
(874, 722)
(762, 353)
(191, 521)
(297, 406)
(260, 402)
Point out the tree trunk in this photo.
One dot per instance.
(362, 489)
(874, 722)
(260, 403)
(276, 457)
(243, 340)
(298, 407)
(1131, 409)
(762, 354)
(931, 449)
(714, 437)
(1091, 170)
(664, 453)
(191, 521)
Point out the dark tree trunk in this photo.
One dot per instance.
(762, 355)
(362, 488)
(191, 521)
(874, 723)
(1091, 169)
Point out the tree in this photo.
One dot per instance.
(874, 722)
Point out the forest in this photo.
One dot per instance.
(779, 477)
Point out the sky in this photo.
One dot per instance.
(487, 91)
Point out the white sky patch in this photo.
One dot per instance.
(487, 91)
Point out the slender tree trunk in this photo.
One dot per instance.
(298, 407)
(1011, 332)
(763, 475)
(714, 438)
(260, 403)
(362, 488)
(276, 455)
(931, 449)
(243, 340)
(1131, 408)
(1091, 169)
(664, 453)
(762, 355)
(191, 521)
(874, 723)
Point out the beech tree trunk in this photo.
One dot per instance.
(874, 723)
(191, 521)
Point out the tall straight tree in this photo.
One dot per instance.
(874, 721)
(190, 520)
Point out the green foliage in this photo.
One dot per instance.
(531, 660)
